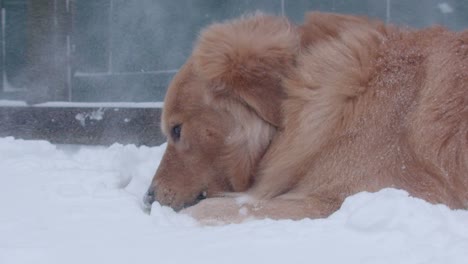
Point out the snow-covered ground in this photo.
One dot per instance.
(68, 204)
(11, 103)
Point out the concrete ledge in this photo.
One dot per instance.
(83, 125)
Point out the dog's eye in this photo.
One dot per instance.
(175, 132)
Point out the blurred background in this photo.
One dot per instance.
(128, 50)
(95, 71)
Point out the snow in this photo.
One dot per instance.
(12, 103)
(445, 8)
(16, 103)
(76, 204)
(110, 73)
(93, 115)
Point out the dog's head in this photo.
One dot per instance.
(223, 108)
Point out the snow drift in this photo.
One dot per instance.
(70, 204)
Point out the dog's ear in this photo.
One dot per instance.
(319, 26)
(247, 59)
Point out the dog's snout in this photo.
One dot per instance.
(149, 197)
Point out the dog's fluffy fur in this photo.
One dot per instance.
(300, 117)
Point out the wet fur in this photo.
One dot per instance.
(300, 117)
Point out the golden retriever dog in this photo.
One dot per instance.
(268, 119)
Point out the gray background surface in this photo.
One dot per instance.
(128, 50)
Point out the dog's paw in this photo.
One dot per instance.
(219, 211)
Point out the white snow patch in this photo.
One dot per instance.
(93, 115)
(12, 103)
(243, 199)
(445, 8)
(72, 204)
(85, 104)
(243, 211)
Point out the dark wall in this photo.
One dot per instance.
(128, 50)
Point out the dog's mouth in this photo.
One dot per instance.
(149, 198)
(201, 196)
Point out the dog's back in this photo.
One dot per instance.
(370, 107)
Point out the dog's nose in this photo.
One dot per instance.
(149, 197)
